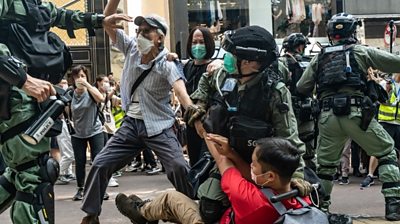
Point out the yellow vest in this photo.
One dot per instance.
(390, 111)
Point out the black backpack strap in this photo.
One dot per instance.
(280, 208)
(141, 78)
(97, 107)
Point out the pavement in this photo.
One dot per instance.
(366, 206)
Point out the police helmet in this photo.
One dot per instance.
(294, 40)
(252, 43)
(342, 26)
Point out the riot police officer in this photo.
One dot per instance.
(31, 60)
(339, 73)
(293, 58)
(245, 100)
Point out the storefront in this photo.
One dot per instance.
(281, 17)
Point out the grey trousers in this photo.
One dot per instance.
(130, 139)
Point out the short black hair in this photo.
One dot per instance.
(278, 155)
(208, 42)
(75, 71)
(99, 78)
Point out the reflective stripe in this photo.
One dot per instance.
(389, 112)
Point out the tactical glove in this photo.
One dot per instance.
(304, 187)
(193, 113)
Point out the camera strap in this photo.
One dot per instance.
(141, 78)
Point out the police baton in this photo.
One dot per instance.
(35, 133)
(291, 194)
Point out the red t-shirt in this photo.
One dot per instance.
(249, 203)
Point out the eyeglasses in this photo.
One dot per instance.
(145, 32)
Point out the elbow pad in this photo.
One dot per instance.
(91, 21)
(12, 71)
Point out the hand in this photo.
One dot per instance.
(193, 112)
(221, 144)
(200, 129)
(81, 83)
(304, 187)
(39, 89)
(214, 65)
(172, 56)
(373, 75)
(112, 20)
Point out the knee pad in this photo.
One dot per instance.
(211, 210)
(49, 169)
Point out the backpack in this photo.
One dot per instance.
(200, 171)
(306, 214)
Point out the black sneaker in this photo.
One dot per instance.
(129, 207)
(336, 177)
(392, 208)
(367, 182)
(106, 196)
(146, 168)
(339, 219)
(79, 195)
(137, 164)
(344, 181)
(153, 171)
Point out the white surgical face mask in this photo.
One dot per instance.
(254, 178)
(65, 87)
(144, 45)
(106, 85)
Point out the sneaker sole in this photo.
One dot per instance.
(369, 185)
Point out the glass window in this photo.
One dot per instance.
(287, 16)
(302, 16)
(218, 15)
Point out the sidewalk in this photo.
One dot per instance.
(376, 220)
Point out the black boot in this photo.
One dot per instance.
(129, 207)
(392, 208)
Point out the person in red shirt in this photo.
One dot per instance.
(274, 161)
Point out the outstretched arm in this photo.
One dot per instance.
(225, 156)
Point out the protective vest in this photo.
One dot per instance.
(337, 67)
(390, 111)
(296, 71)
(43, 52)
(252, 102)
(243, 116)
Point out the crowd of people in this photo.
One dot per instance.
(269, 121)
